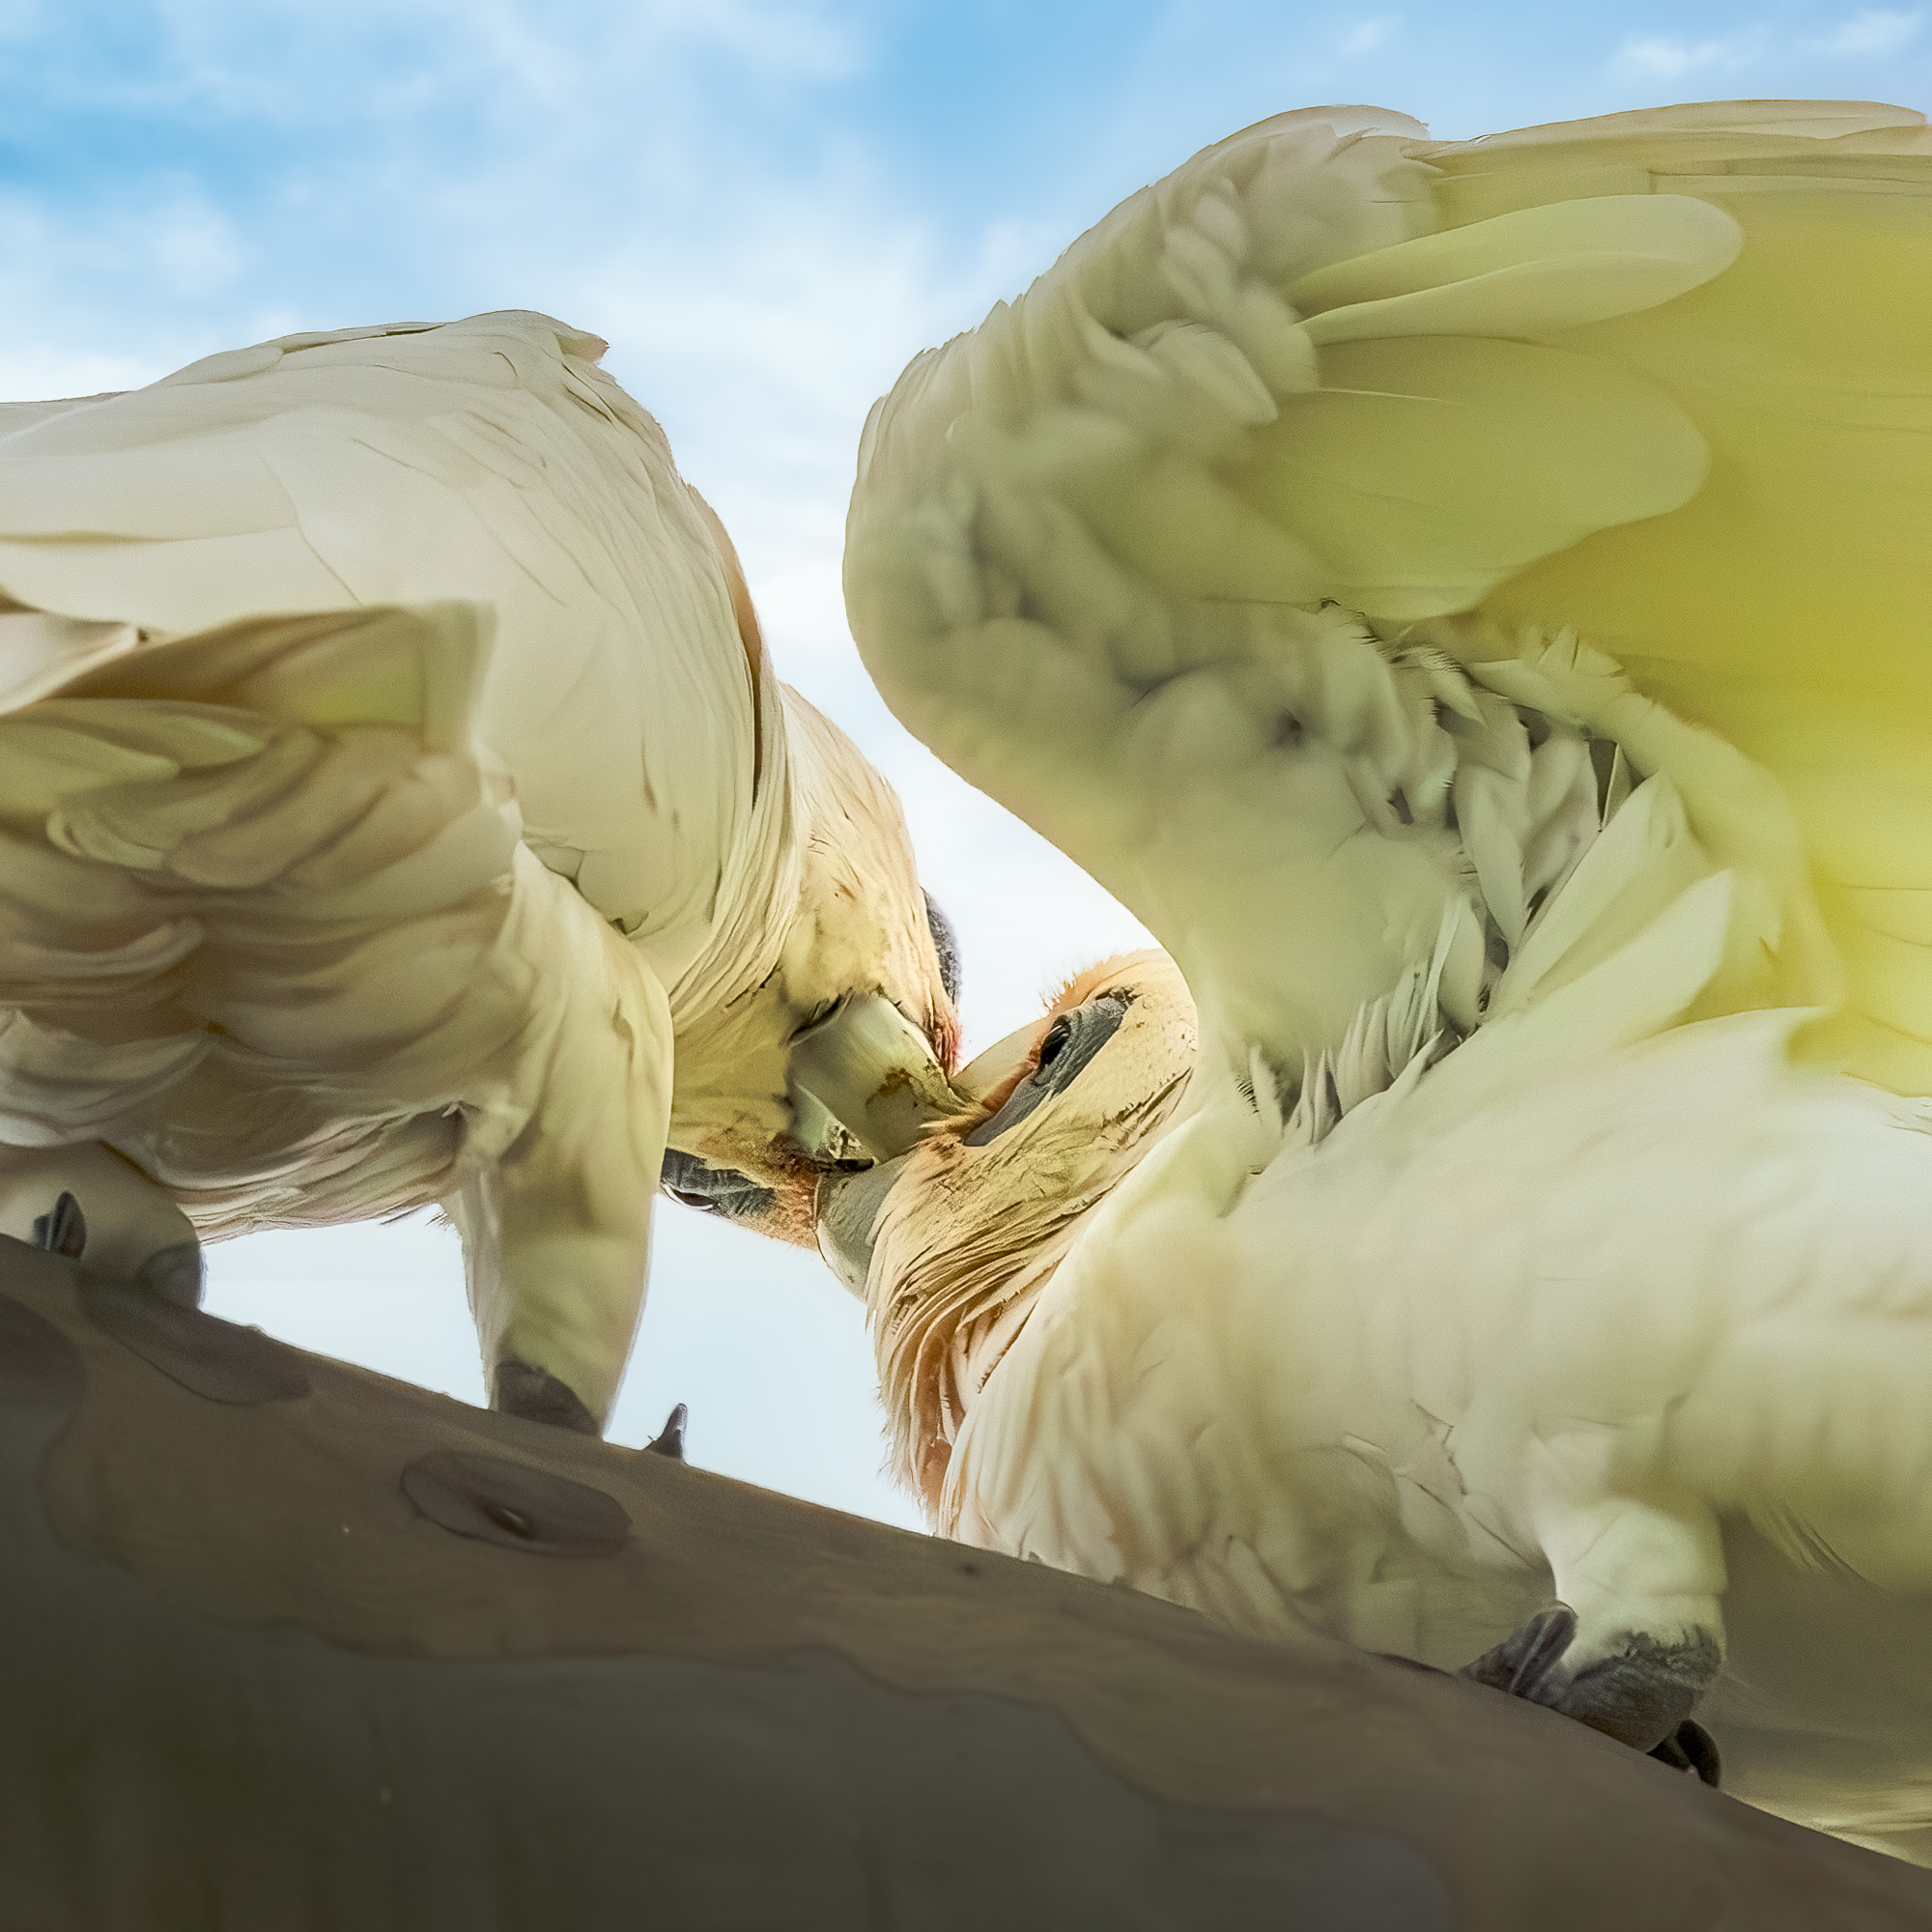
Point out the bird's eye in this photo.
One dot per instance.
(1071, 1041)
(1057, 1037)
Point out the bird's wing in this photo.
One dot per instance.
(1783, 602)
(1599, 374)
(257, 849)
(488, 459)
(266, 929)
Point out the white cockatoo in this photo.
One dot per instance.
(1468, 600)
(397, 806)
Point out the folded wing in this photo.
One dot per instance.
(257, 896)
(488, 459)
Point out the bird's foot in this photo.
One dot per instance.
(537, 1396)
(62, 1230)
(172, 1273)
(1691, 1747)
(1640, 1691)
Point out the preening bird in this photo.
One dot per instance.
(1468, 599)
(397, 805)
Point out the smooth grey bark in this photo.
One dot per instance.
(292, 1646)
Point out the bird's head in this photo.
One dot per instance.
(952, 1242)
(839, 1056)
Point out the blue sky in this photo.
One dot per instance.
(767, 209)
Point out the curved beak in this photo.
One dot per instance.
(987, 1070)
(848, 1205)
(848, 1211)
(865, 1084)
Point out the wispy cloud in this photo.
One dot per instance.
(799, 41)
(1368, 36)
(1874, 33)
(1669, 58)
(1871, 34)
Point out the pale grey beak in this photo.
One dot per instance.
(848, 1211)
(865, 1083)
(849, 1203)
(987, 1070)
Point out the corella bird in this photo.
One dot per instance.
(397, 805)
(1466, 599)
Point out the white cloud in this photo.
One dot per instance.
(421, 69)
(94, 305)
(1874, 33)
(670, 176)
(1671, 59)
(193, 247)
(793, 39)
(1367, 37)
(32, 372)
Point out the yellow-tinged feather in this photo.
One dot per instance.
(1523, 1222)
(1785, 604)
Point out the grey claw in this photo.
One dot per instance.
(1525, 1663)
(64, 1232)
(537, 1396)
(669, 1440)
(173, 1275)
(1646, 1688)
(1691, 1747)
(1640, 1693)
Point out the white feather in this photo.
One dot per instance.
(426, 892)
(1523, 1233)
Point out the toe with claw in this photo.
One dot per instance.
(88, 1204)
(1640, 1691)
(63, 1230)
(1691, 1747)
(538, 1396)
(669, 1440)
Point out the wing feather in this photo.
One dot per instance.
(1661, 377)
(488, 459)
(1783, 603)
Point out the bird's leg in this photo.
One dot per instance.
(555, 1261)
(556, 1226)
(119, 1222)
(1636, 1636)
